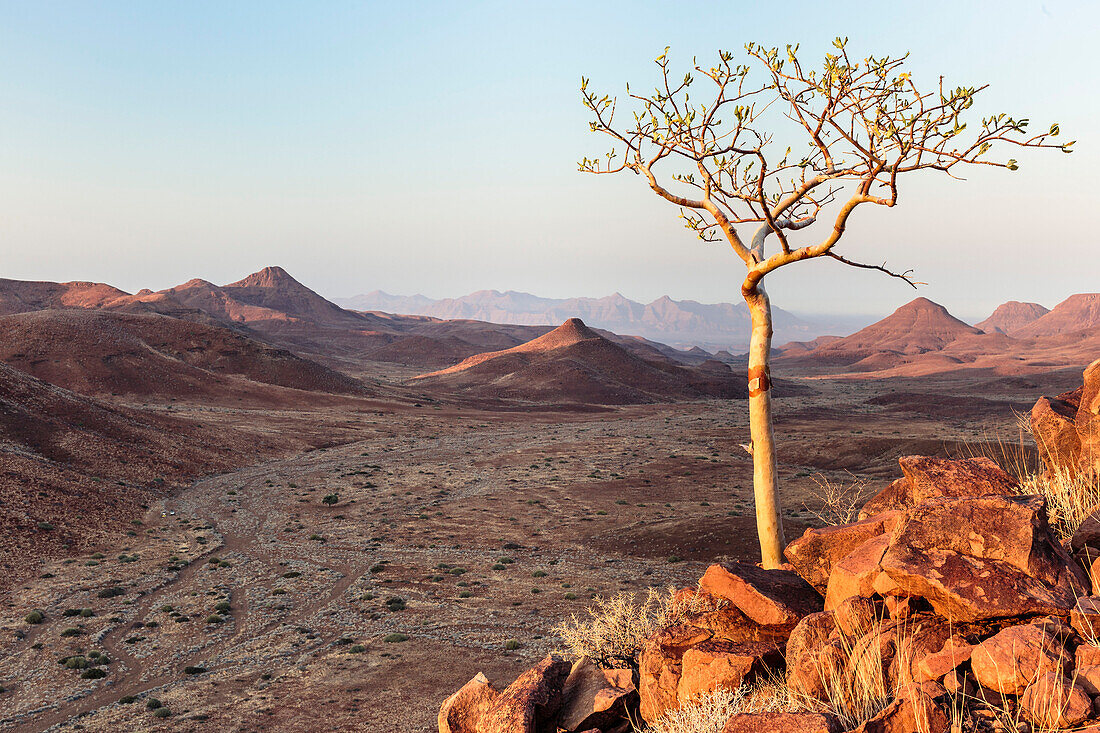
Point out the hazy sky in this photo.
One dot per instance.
(433, 148)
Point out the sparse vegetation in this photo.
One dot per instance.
(395, 638)
(34, 617)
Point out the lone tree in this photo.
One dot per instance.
(849, 130)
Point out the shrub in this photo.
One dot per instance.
(111, 592)
(356, 649)
(395, 638)
(45, 526)
(152, 703)
(222, 607)
(331, 499)
(127, 699)
(75, 662)
(214, 619)
(94, 673)
(71, 631)
(86, 613)
(35, 617)
(161, 713)
(291, 574)
(194, 670)
(396, 604)
(512, 644)
(709, 711)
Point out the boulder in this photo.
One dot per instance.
(1087, 677)
(593, 698)
(814, 672)
(927, 478)
(917, 712)
(1054, 702)
(713, 664)
(776, 598)
(814, 554)
(660, 666)
(983, 558)
(856, 615)
(1087, 536)
(1015, 657)
(719, 616)
(1084, 617)
(461, 712)
(529, 703)
(955, 652)
(1067, 428)
(782, 723)
(856, 573)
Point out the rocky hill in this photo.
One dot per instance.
(1012, 316)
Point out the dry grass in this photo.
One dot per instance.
(709, 711)
(612, 631)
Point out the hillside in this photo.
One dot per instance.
(573, 363)
(917, 327)
(1012, 316)
(21, 296)
(1076, 314)
(104, 352)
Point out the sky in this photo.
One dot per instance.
(432, 148)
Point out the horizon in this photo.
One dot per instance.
(145, 142)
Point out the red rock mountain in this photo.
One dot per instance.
(915, 328)
(573, 363)
(1012, 316)
(21, 296)
(96, 352)
(1076, 314)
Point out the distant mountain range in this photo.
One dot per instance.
(679, 323)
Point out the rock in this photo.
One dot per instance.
(928, 478)
(812, 674)
(782, 723)
(1087, 677)
(1067, 428)
(814, 553)
(592, 698)
(530, 702)
(804, 647)
(898, 496)
(777, 598)
(1087, 655)
(1084, 617)
(935, 666)
(1087, 534)
(957, 477)
(1053, 702)
(856, 615)
(983, 558)
(1014, 658)
(659, 668)
(461, 712)
(712, 664)
(856, 573)
(907, 716)
(718, 615)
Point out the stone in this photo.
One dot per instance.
(856, 615)
(1087, 677)
(983, 558)
(1067, 428)
(904, 715)
(1087, 655)
(813, 554)
(782, 723)
(1087, 535)
(724, 620)
(529, 703)
(1015, 657)
(856, 573)
(1054, 702)
(1084, 617)
(778, 598)
(713, 664)
(935, 666)
(809, 673)
(955, 477)
(659, 668)
(461, 712)
(896, 497)
(592, 698)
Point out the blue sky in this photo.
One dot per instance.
(432, 148)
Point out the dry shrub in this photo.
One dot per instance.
(611, 632)
(1070, 497)
(840, 502)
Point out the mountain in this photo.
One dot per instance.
(1012, 316)
(98, 352)
(573, 363)
(1076, 314)
(681, 323)
(21, 296)
(917, 327)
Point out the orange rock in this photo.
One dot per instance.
(814, 554)
(1054, 702)
(768, 597)
(461, 712)
(529, 703)
(592, 698)
(955, 652)
(1014, 658)
(713, 664)
(782, 723)
(659, 668)
(856, 573)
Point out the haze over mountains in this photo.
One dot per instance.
(678, 323)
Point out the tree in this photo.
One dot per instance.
(859, 126)
(331, 499)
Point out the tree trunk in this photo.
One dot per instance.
(765, 479)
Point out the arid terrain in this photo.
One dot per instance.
(262, 519)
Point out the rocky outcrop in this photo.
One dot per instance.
(1067, 428)
(957, 595)
(530, 703)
